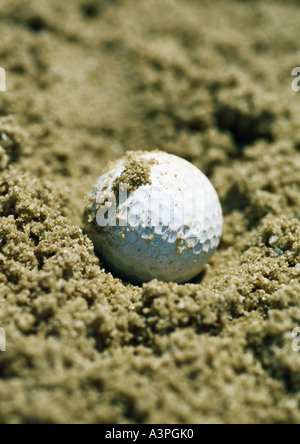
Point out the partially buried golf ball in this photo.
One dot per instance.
(153, 215)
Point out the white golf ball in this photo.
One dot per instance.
(153, 215)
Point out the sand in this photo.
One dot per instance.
(211, 82)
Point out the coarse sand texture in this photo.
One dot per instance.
(209, 82)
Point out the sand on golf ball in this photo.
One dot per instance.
(153, 215)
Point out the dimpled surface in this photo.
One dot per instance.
(166, 229)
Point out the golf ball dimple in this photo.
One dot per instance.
(153, 215)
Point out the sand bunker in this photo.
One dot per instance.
(208, 81)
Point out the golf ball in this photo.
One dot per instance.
(153, 215)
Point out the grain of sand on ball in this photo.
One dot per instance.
(209, 82)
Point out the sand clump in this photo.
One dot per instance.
(211, 83)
